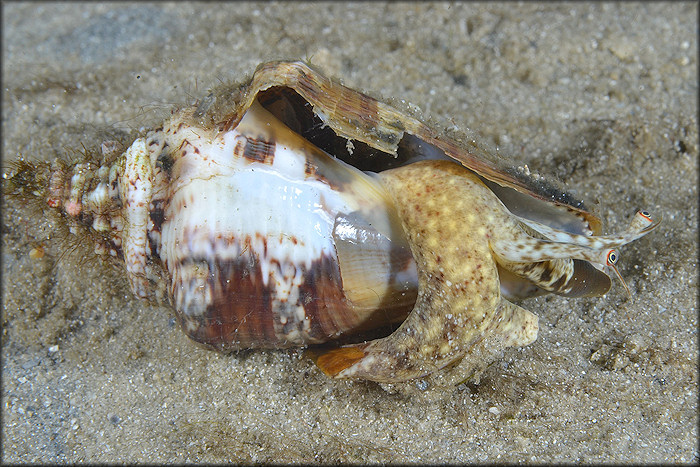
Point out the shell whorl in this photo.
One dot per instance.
(258, 238)
(253, 221)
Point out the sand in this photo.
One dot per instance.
(602, 96)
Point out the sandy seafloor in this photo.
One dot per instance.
(601, 96)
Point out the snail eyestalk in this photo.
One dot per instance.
(611, 261)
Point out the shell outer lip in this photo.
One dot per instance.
(357, 116)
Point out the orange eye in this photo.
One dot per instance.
(612, 257)
(646, 215)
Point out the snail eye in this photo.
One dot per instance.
(612, 257)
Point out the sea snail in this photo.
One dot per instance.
(293, 211)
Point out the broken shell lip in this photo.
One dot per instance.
(357, 117)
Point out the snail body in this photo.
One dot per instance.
(294, 211)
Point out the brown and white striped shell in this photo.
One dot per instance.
(292, 211)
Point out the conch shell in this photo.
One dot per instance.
(293, 211)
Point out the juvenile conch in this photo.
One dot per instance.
(293, 211)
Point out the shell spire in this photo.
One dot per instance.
(104, 198)
(79, 191)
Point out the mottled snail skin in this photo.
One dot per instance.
(242, 214)
(449, 217)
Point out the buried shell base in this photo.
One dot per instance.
(293, 211)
